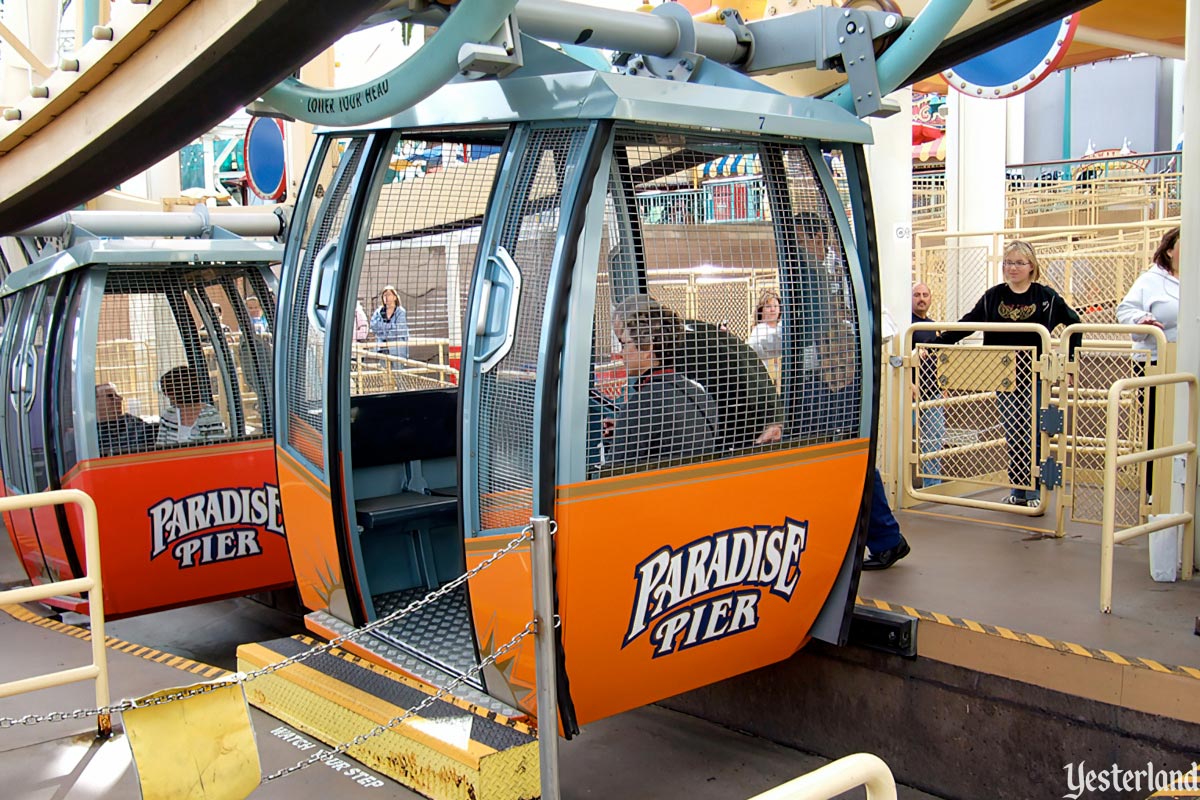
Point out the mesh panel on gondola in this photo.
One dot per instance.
(725, 327)
(178, 360)
(507, 390)
(411, 292)
(306, 343)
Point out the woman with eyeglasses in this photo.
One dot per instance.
(1021, 298)
(666, 417)
(1154, 300)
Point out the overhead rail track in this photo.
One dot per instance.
(162, 78)
(165, 71)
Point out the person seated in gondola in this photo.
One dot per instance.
(117, 432)
(666, 416)
(746, 401)
(190, 418)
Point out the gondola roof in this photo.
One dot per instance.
(719, 100)
(135, 252)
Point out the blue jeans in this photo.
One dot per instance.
(932, 436)
(883, 532)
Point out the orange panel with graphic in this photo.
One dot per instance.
(311, 537)
(676, 579)
(185, 526)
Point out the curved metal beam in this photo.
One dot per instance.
(997, 30)
(423, 73)
(919, 39)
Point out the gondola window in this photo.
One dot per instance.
(180, 360)
(410, 294)
(726, 316)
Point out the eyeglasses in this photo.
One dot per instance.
(1009, 263)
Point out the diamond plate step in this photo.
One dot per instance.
(452, 750)
(383, 649)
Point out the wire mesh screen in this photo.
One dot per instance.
(975, 415)
(306, 344)
(170, 370)
(712, 335)
(504, 460)
(1097, 370)
(39, 436)
(411, 292)
(956, 277)
(68, 453)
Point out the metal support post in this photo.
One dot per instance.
(544, 651)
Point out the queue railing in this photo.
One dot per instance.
(837, 777)
(90, 583)
(1105, 356)
(1114, 461)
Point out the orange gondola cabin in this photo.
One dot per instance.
(139, 371)
(465, 342)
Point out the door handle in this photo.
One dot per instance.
(496, 320)
(485, 301)
(322, 286)
(28, 379)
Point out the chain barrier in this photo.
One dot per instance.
(129, 704)
(325, 755)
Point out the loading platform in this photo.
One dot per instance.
(1015, 665)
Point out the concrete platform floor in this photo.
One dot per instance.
(987, 567)
(648, 753)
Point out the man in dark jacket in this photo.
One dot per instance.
(116, 431)
(666, 417)
(747, 404)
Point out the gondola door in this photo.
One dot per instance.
(308, 456)
(18, 398)
(511, 363)
(41, 535)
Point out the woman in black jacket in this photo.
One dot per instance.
(1019, 299)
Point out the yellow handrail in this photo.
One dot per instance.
(90, 583)
(1113, 462)
(836, 777)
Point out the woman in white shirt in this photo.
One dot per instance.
(1154, 297)
(765, 335)
(1154, 300)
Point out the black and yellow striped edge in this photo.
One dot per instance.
(1032, 638)
(119, 645)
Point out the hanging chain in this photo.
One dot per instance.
(242, 677)
(325, 755)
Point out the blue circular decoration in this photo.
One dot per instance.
(1017, 66)
(264, 155)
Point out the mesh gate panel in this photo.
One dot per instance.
(306, 344)
(975, 416)
(504, 462)
(424, 234)
(1097, 370)
(177, 361)
(727, 355)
